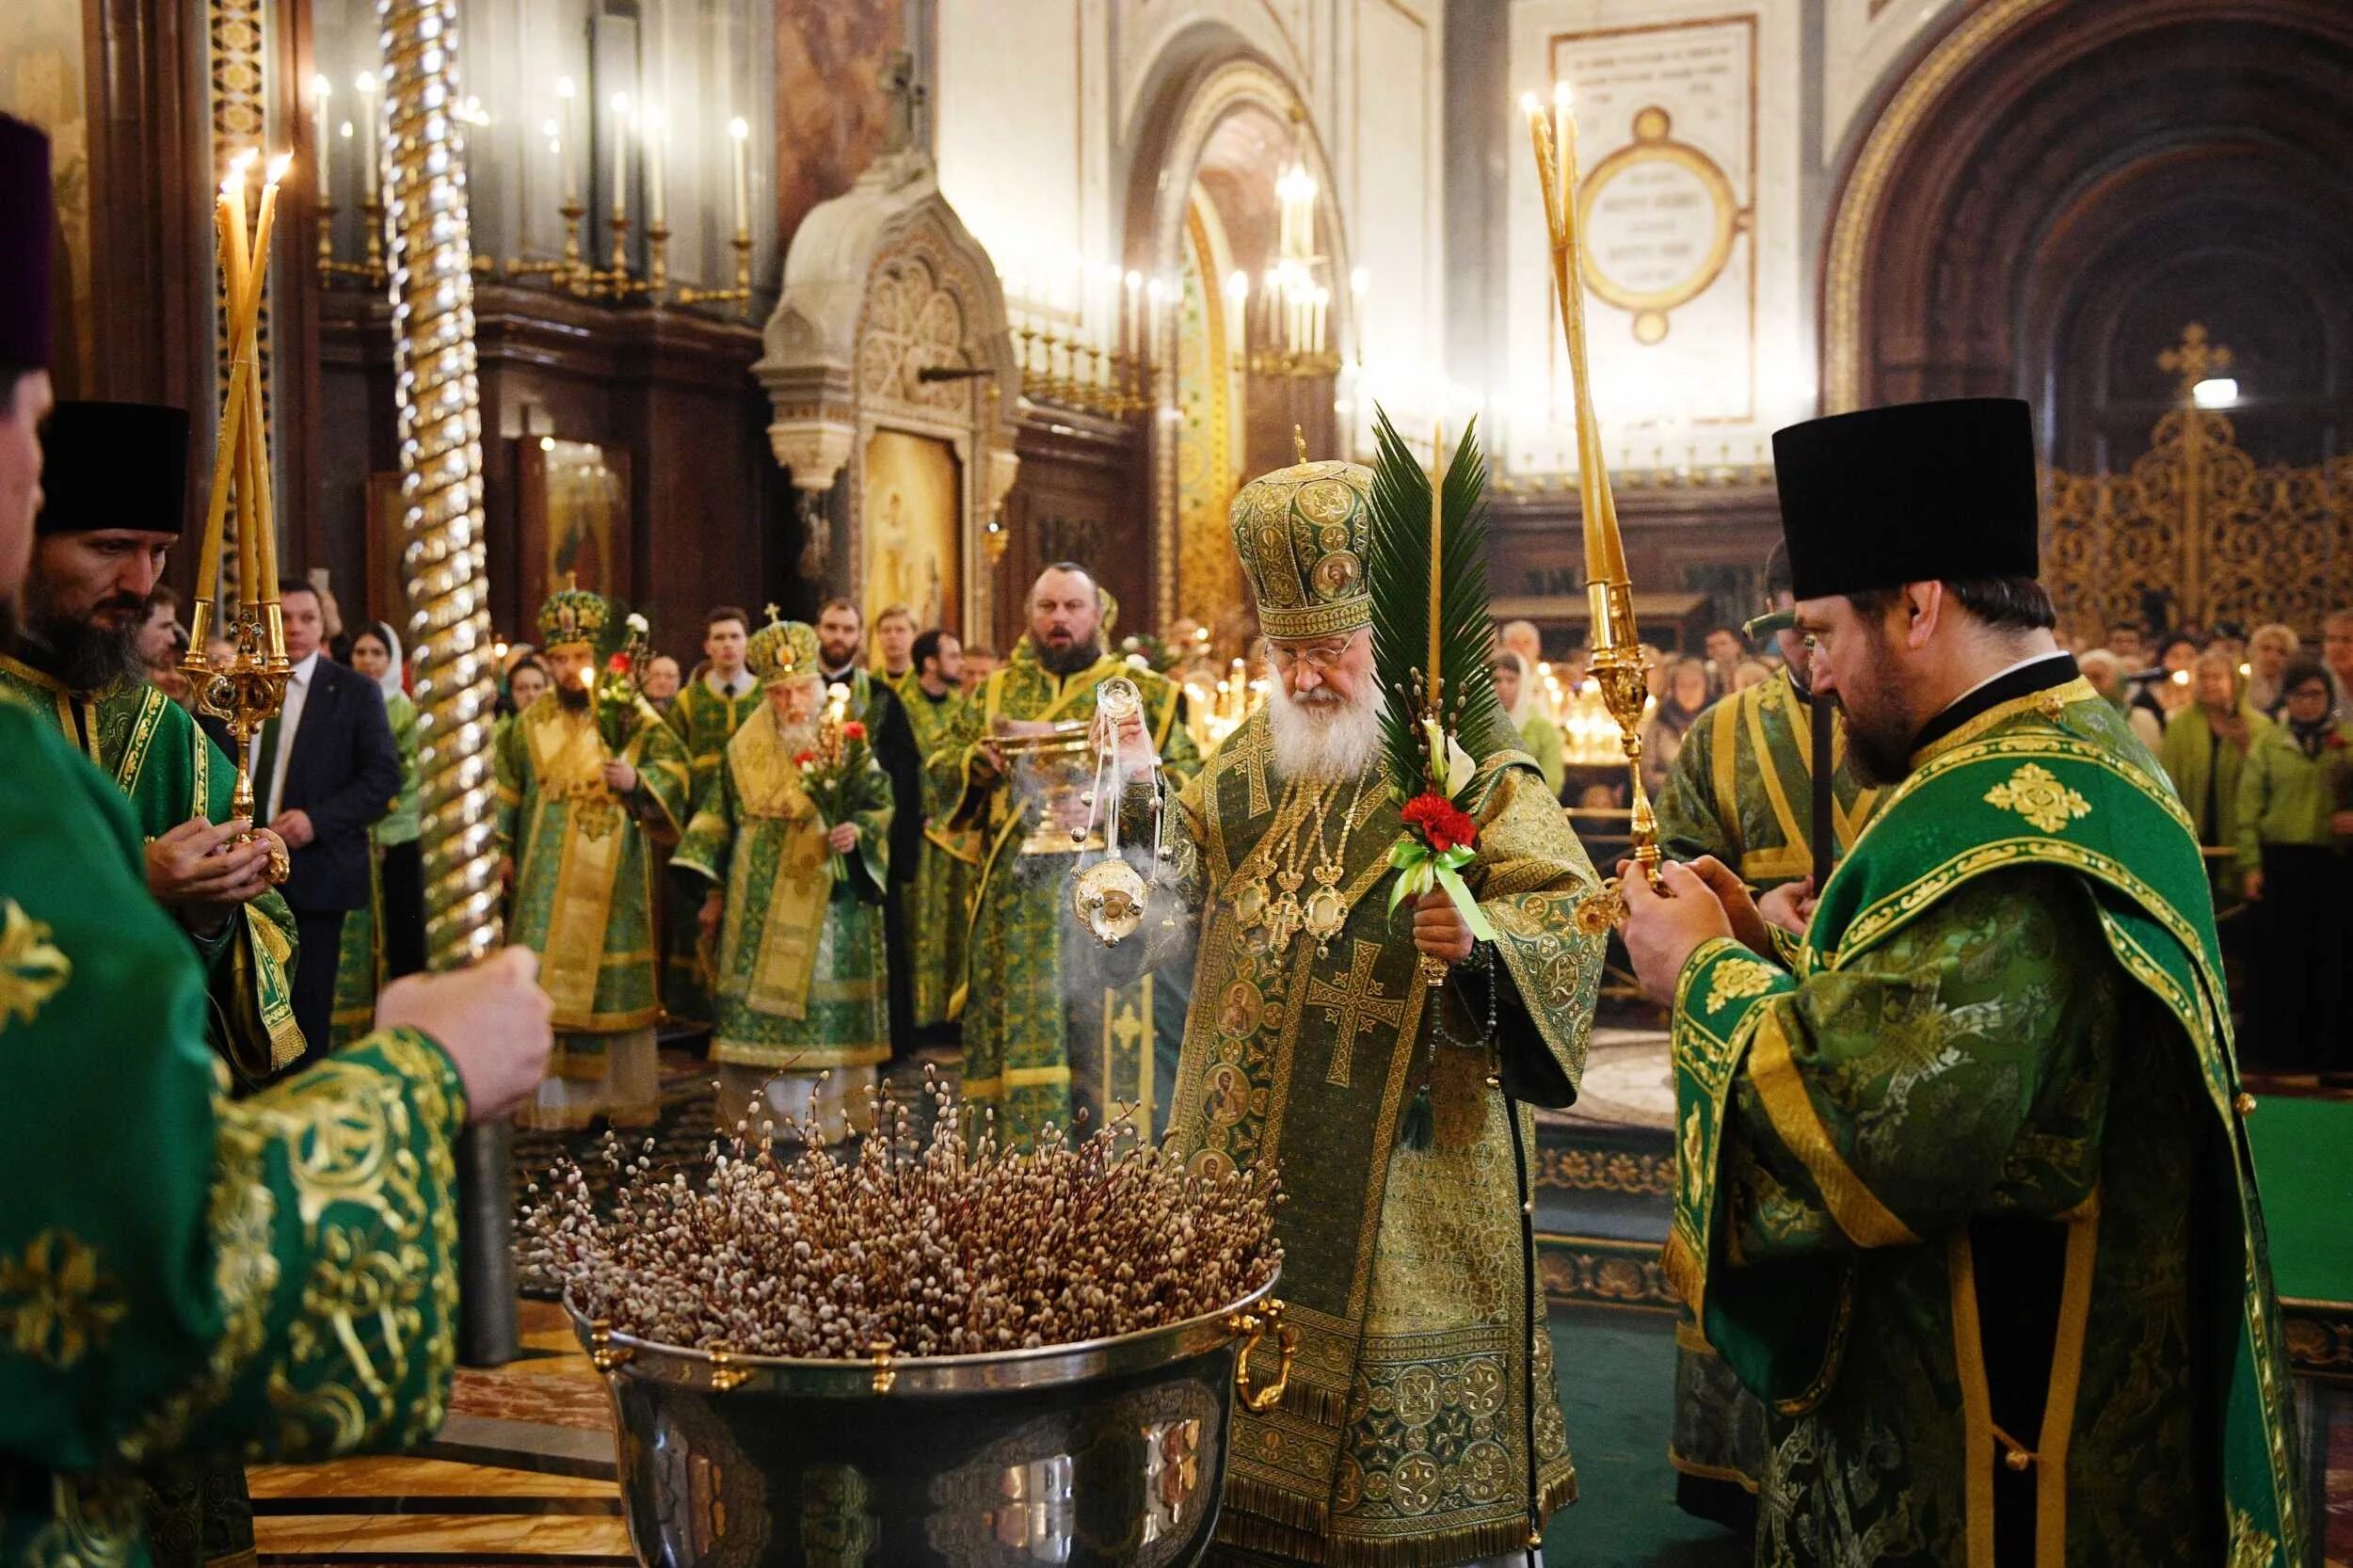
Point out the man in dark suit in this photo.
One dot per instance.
(324, 771)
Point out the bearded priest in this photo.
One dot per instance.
(1044, 1033)
(1420, 1425)
(1965, 1195)
(796, 903)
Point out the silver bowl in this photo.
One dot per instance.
(1110, 1451)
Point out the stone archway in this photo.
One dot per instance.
(890, 331)
(2044, 198)
(1174, 135)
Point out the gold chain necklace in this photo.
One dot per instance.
(1326, 910)
(1282, 857)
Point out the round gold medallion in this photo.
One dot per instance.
(1250, 904)
(1325, 913)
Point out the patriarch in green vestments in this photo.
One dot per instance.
(794, 908)
(706, 713)
(1043, 1035)
(114, 477)
(1420, 1427)
(1964, 1194)
(181, 1271)
(579, 814)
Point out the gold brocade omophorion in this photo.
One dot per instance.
(1402, 1437)
(583, 897)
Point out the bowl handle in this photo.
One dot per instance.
(1254, 1327)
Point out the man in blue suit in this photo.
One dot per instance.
(324, 771)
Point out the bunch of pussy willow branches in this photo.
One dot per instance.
(954, 1246)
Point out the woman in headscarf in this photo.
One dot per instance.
(385, 940)
(1516, 688)
(1681, 696)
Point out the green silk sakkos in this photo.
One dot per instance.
(1964, 1195)
(1742, 787)
(584, 888)
(181, 1271)
(1022, 1019)
(950, 869)
(171, 770)
(1402, 1437)
(800, 974)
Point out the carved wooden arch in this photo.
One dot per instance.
(881, 283)
(1203, 78)
(2019, 129)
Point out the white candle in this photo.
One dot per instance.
(364, 85)
(739, 134)
(568, 140)
(652, 121)
(320, 93)
(620, 157)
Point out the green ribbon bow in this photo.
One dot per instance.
(1419, 868)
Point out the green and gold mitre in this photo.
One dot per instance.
(781, 650)
(1301, 532)
(573, 617)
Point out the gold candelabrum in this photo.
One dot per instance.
(1074, 372)
(1619, 667)
(247, 694)
(569, 274)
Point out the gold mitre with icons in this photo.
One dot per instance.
(573, 617)
(781, 650)
(1301, 532)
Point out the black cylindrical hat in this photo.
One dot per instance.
(114, 465)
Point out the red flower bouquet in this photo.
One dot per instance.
(827, 772)
(615, 689)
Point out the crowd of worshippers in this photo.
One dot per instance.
(2254, 729)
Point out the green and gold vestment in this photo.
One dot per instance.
(1742, 787)
(1965, 1197)
(1402, 1438)
(950, 863)
(276, 1274)
(1025, 1020)
(800, 960)
(168, 769)
(705, 721)
(584, 887)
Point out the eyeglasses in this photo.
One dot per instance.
(1320, 657)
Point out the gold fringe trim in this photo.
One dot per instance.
(1270, 1529)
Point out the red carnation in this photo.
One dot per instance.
(804, 758)
(2336, 741)
(618, 664)
(1441, 822)
(853, 732)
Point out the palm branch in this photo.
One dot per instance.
(1397, 574)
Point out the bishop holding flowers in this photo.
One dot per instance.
(1315, 1042)
(793, 837)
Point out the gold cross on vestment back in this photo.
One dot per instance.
(1354, 1006)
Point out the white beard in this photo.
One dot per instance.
(1324, 741)
(797, 737)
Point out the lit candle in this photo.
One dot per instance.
(265, 542)
(320, 93)
(620, 157)
(225, 445)
(570, 95)
(652, 121)
(364, 85)
(740, 135)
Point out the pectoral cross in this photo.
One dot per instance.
(1353, 1007)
